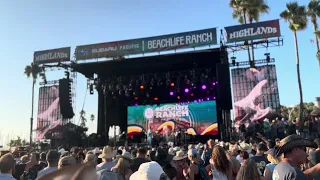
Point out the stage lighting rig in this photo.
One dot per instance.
(233, 60)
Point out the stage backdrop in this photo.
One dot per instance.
(195, 118)
(49, 116)
(255, 93)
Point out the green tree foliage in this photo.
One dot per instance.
(294, 112)
(296, 16)
(17, 142)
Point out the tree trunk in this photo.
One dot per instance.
(315, 26)
(299, 79)
(32, 107)
(252, 48)
(245, 22)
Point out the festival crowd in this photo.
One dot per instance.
(259, 157)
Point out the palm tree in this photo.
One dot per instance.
(240, 12)
(313, 11)
(83, 119)
(252, 9)
(32, 70)
(297, 17)
(255, 8)
(92, 117)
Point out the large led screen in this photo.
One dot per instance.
(196, 118)
(255, 93)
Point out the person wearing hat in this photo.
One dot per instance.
(180, 164)
(123, 166)
(293, 149)
(91, 159)
(274, 160)
(149, 171)
(244, 147)
(259, 158)
(66, 161)
(106, 156)
(52, 158)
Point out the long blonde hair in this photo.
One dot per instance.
(249, 170)
(123, 166)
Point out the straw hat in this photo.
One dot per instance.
(245, 147)
(293, 141)
(107, 153)
(179, 156)
(125, 155)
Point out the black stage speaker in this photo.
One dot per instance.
(224, 86)
(65, 99)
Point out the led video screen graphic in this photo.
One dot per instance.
(195, 118)
(49, 116)
(255, 93)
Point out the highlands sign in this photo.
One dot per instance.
(260, 30)
(147, 45)
(52, 55)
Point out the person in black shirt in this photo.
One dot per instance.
(140, 159)
(259, 158)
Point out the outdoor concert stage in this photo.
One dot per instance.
(189, 91)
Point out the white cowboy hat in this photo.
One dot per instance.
(96, 151)
(107, 153)
(179, 156)
(148, 171)
(266, 120)
(245, 147)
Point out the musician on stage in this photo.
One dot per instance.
(149, 136)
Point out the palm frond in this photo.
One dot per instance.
(28, 71)
(317, 33)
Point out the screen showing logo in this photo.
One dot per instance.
(148, 113)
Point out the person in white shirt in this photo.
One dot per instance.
(52, 160)
(7, 163)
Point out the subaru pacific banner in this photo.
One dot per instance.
(52, 55)
(147, 45)
(260, 30)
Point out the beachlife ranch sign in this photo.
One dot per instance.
(52, 55)
(147, 45)
(260, 30)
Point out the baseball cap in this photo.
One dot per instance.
(314, 157)
(52, 156)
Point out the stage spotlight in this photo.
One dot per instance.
(141, 87)
(172, 84)
(204, 87)
(213, 83)
(178, 97)
(192, 94)
(208, 98)
(195, 101)
(214, 97)
(136, 98)
(171, 93)
(156, 99)
(186, 90)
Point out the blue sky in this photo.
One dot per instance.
(38, 25)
